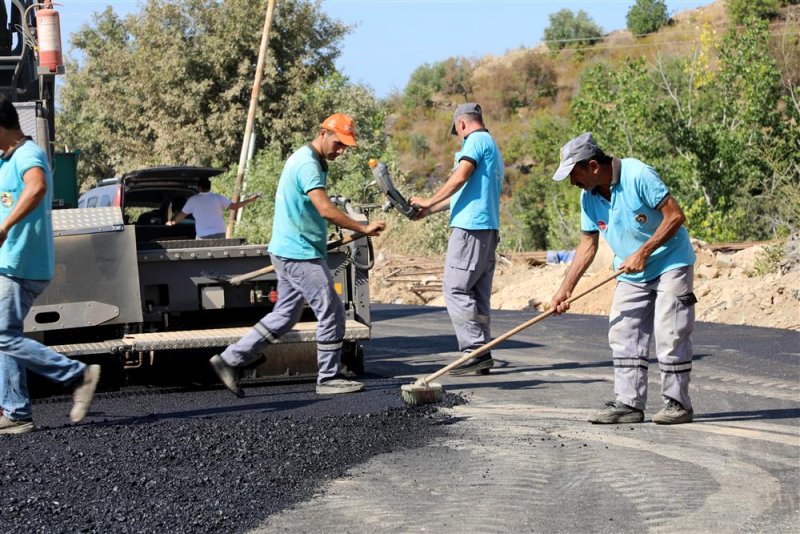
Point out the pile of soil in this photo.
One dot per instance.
(726, 284)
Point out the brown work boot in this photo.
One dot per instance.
(84, 393)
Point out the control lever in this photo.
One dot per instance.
(394, 198)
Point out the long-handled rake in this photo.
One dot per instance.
(424, 391)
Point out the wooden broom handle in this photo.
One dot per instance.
(336, 243)
(496, 341)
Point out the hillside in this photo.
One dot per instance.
(712, 106)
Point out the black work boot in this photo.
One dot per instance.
(227, 374)
(479, 365)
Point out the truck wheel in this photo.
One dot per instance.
(353, 359)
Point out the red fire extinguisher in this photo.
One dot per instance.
(49, 36)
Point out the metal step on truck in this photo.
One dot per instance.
(129, 290)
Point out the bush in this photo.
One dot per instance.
(529, 78)
(740, 10)
(769, 259)
(647, 16)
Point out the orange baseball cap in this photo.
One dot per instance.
(343, 126)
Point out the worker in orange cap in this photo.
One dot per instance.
(298, 250)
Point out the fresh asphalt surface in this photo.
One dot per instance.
(517, 457)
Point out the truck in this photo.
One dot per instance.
(128, 291)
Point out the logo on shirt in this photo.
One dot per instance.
(641, 218)
(6, 200)
(602, 225)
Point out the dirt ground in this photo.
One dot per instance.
(727, 288)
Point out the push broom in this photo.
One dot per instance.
(424, 391)
(240, 278)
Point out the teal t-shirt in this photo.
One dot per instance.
(28, 250)
(476, 206)
(299, 232)
(632, 217)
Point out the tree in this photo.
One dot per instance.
(172, 84)
(569, 30)
(740, 10)
(425, 81)
(647, 16)
(457, 79)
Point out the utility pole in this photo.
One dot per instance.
(251, 115)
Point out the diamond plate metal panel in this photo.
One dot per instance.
(222, 337)
(87, 221)
(27, 119)
(81, 349)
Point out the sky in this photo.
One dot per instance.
(391, 38)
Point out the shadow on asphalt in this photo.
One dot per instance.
(381, 313)
(783, 413)
(402, 347)
(519, 384)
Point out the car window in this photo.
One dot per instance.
(105, 201)
(92, 202)
(82, 203)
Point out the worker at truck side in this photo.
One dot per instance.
(208, 210)
(626, 202)
(472, 193)
(26, 267)
(298, 251)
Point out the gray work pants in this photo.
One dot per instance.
(664, 309)
(467, 284)
(298, 281)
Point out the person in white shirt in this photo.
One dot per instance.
(208, 210)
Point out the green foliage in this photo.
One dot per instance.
(741, 10)
(172, 84)
(457, 78)
(616, 103)
(424, 82)
(722, 145)
(568, 30)
(647, 16)
(769, 259)
(731, 132)
(415, 238)
(542, 214)
(263, 173)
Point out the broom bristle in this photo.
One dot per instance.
(415, 395)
